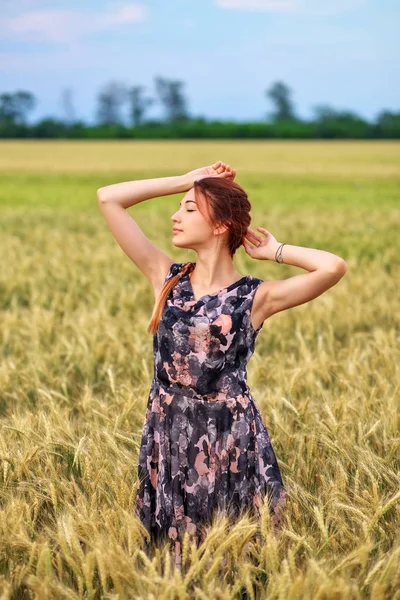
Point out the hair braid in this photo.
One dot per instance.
(164, 293)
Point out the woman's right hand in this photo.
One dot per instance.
(218, 169)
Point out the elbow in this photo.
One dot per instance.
(339, 268)
(342, 267)
(101, 195)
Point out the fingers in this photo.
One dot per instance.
(257, 236)
(218, 167)
(254, 237)
(223, 169)
(248, 248)
(248, 234)
(231, 173)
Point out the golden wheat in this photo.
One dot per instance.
(77, 365)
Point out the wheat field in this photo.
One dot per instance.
(76, 367)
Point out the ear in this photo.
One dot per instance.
(221, 229)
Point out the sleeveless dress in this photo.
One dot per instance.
(204, 444)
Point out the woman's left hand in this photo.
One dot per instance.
(265, 245)
(218, 169)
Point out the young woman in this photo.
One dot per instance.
(205, 446)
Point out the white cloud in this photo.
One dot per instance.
(67, 25)
(311, 7)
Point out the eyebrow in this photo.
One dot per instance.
(186, 201)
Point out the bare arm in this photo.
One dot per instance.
(325, 270)
(114, 199)
(128, 193)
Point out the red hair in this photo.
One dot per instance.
(225, 203)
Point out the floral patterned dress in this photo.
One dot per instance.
(204, 442)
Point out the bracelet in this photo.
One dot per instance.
(279, 258)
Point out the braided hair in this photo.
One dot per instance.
(177, 272)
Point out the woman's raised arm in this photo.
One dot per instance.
(128, 193)
(325, 270)
(114, 199)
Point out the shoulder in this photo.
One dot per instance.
(247, 289)
(254, 280)
(255, 289)
(252, 283)
(174, 269)
(260, 290)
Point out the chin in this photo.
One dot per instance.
(180, 244)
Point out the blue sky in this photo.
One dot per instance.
(228, 52)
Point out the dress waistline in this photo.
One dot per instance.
(189, 392)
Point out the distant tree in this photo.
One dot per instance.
(331, 123)
(68, 106)
(49, 128)
(138, 104)
(323, 112)
(280, 93)
(172, 98)
(15, 107)
(387, 124)
(109, 102)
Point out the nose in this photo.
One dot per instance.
(174, 219)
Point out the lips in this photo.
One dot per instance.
(176, 230)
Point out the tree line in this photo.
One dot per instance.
(114, 97)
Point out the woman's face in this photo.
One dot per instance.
(194, 231)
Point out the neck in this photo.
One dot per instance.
(204, 275)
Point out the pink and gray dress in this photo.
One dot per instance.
(204, 444)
